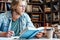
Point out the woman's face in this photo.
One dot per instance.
(21, 7)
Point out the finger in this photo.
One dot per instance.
(11, 32)
(39, 33)
(8, 35)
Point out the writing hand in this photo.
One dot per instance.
(10, 33)
(39, 35)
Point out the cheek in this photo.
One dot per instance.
(21, 9)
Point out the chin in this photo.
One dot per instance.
(21, 13)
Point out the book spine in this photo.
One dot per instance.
(1, 7)
(40, 9)
(56, 7)
(29, 8)
(35, 8)
(41, 1)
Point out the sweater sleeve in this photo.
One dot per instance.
(29, 22)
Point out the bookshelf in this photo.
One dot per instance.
(44, 11)
(55, 11)
(40, 11)
(35, 9)
(5, 5)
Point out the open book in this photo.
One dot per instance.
(30, 32)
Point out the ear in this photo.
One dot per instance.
(13, 7)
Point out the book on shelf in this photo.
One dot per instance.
(1, 6)
(47, 9)
(41, 1)
(48, 0)
(40, 9)
(55, 16)
(35, 19)
(35, 16)
(41, 17)
(30, 32)
(35, 0)
(29, 8)
(8, 7)
(35, 8)
(48, 17)
(56, 7)
(55, 0)
(5, 7)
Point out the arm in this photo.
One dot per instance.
(3, 34)
(1, 29)
(4, 26)
(30, 24)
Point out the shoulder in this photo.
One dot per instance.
(6, 13)
(3, 16)
(25, 14)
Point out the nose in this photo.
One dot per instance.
(23, 8)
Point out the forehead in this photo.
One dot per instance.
(22, 3)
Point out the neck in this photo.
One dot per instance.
(15, 16)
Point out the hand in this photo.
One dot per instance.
(10, 33)
(39, 35)
(3, 34)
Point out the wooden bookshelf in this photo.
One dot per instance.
(4, 5)
(48, 8)
(44, 8)
(37, 12)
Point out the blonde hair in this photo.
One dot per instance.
(15, 3)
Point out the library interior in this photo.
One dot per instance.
(43, 13)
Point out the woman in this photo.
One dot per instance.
(16, 20)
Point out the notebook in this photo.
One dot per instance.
(30, 32)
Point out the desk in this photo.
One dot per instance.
(17, 38)
(9, 38)
(42, 39)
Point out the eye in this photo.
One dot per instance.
(22, 6)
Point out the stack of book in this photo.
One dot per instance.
(29, 8)
(35, 9)
(47, 9)
(35, 17)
